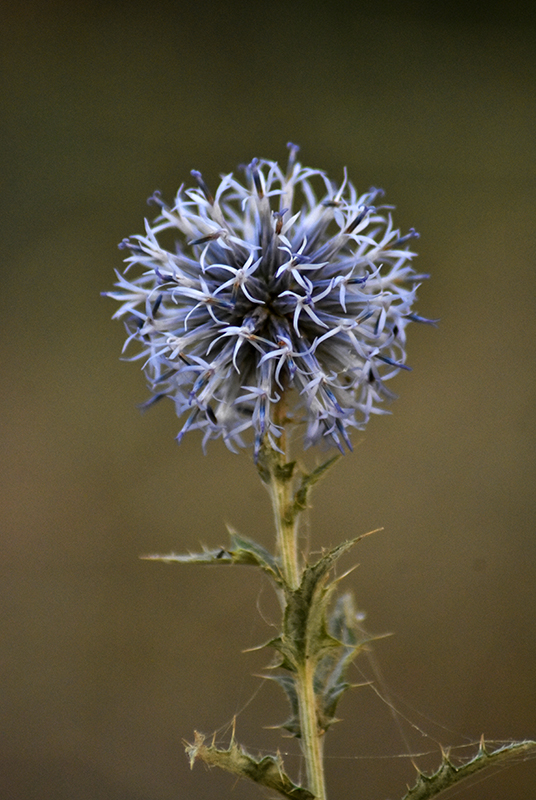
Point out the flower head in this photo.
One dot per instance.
(271, 305)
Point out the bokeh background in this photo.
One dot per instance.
(108, 661)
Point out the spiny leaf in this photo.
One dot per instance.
(305, 634)
(216, 555)
(308, 481)
(330, 682)
(448, 774)
(241, 551)
(246, 551)
(304, 625)
(267, 771)
(288, 684)
(338, 642)
(343, 621)
(316, 572)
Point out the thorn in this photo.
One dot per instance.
(445, 755)
(419, 771)
(233, 731)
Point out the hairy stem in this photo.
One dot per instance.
(311, 737)
(286, 523)
(286, 515)
(282, 496)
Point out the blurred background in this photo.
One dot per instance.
(107, 661)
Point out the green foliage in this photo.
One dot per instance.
(273, 470)
(246, 551)
(330, 677)
(217, 555)
(342, 642)
(319, 639)
(241, 550)
(326, 642)
(267, 771)
(308, 480)
(448, 774)
(305, 635)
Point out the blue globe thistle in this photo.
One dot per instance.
(270, 305)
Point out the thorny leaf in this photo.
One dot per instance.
(308, 481)
(329, 683)
(216, 555)
(288, 684)
(330, 677)
(328, 643)
(246, 551)
(240, 551)
(267, 771)
(304, 631)
(448, 774)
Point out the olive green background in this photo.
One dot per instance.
(108, 661)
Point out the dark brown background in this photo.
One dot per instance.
(108, 661)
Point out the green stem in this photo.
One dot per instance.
(312, 740)
(286, 515)
(286, 522)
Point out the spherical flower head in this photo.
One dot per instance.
(269, 305)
